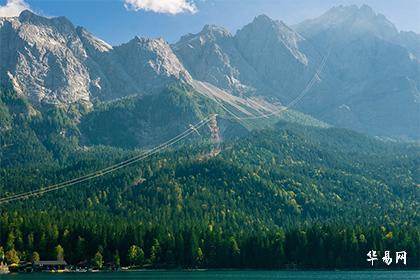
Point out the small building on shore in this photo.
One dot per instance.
(56, 266)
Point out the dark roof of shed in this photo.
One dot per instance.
(50, 262)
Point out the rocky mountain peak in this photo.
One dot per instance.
(30, 17)
(264, 30)
(353, 10)
(61, 24)
(155, 47)
(92, 42)
(353, 14)
(143, 55)
(209, 33)
(139, 40)
(264, 21)
(277, 26)
(215, 31)
(212, 56)
(354, 19)
(147, 44)
(44, 59)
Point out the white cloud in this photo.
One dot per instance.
(13, 8)
(162, 6)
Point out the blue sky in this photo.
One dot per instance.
(116, 23)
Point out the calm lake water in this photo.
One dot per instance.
(209, 275)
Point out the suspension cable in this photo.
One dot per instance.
(108, 169)
(302, 94)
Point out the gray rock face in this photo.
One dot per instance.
(352, 20)
(212, 56)
(44, 59)
(410, 41)
(374, 77)
(275, 52)
(151, 64)
(371, 82)
(273, 36)
(259, 59)
(51, 61)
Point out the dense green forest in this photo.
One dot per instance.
(81, 237)
(290, 196)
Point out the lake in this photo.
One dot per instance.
(208, 275)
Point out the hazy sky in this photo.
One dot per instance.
(117, 21)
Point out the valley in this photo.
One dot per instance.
(274, 147)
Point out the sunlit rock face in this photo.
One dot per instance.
(51, 61)
(213, 56)
(44, 59)
(370, 83)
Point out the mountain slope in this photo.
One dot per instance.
(146, 121)
(269, 178)
(51, 61)
(374, 82)
(275, 52)
(370, 83)
(43, 59)
(276, 192)
(212, 56)
(263, 58)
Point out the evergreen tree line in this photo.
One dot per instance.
(96, 243)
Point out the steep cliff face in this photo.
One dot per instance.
(374, 74)
(276, 52)
(263, 58)
(212, 56)
(370, 83)
(43, 59)
(51, 61)
(151, 64)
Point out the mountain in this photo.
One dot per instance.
(43, 59)
(145, 121)
(51, 61)
(84, 150)
(350, 18)
(306, 172)
(212, 56)
(360, 20)
(373, 84)
(370, 82)
(275, 52)
(263, 58)
(140, 66)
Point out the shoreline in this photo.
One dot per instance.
(215, 270)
